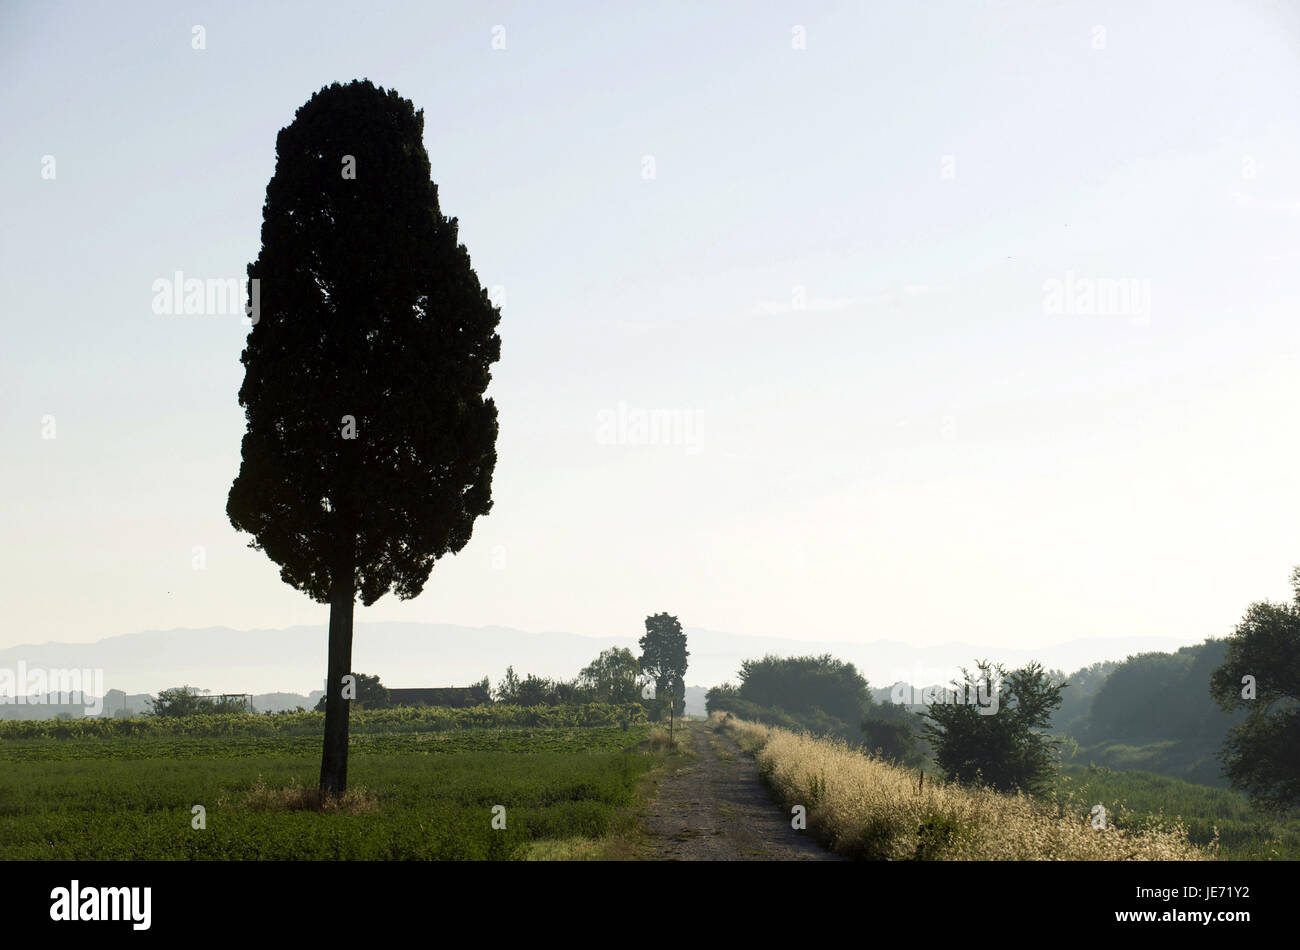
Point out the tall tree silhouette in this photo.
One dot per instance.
(369, 448)
(663, 656)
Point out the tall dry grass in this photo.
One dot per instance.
(865, 808)
(657, 740)
(357, 800)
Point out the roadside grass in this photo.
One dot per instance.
(626, 839)
(868, 809)
(658, 740)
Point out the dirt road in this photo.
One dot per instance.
(715, 809)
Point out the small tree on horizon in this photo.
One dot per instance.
(191, 701)
(370, 448)
(371, 694)
(507, 689)
(613, 676)
(179, 701)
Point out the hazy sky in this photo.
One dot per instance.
(837, 283)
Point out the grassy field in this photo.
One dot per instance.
(129, 794)
(1183, 759)
(1139, 800)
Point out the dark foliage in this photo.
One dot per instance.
(1260, 676)
(370, 447)
(1002, 744)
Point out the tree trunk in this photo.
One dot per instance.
(334, 757)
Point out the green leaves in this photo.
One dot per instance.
(802, 684)
(612, 676)
(1260, 674)
(987, 730)
(664, 654)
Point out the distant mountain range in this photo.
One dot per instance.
(292, 660)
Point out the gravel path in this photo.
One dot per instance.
(715, 809)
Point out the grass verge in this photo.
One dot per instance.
(872, 810)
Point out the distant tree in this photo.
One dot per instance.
(189, 701)
(718, 697)
(893, 732)
(822, 695)
(507, 690)
(180, 701)
(541, 691)
(534, 691)
(1261, 675)
(230, 704)
(663, 657)
(1077, 702)
(613, 677)
(1002, 744)
(804, 684)
(370, 448)
(371, 694)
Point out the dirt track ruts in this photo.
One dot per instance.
(716, 809)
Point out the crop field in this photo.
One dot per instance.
(418, 719)
(130, 793)
(596, 739)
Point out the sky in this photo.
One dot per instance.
(967, 321)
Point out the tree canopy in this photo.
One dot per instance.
(613, 677)
(371, 693)
(664, 653)
(993, 729)
(801, 684)
(1260, 675)
(369, 449)
(189, 701)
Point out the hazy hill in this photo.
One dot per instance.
(1154, 712)
(1151, 711)
(420, 655)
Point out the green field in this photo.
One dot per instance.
(362, 721)
(1135, 799)
(128, 794)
